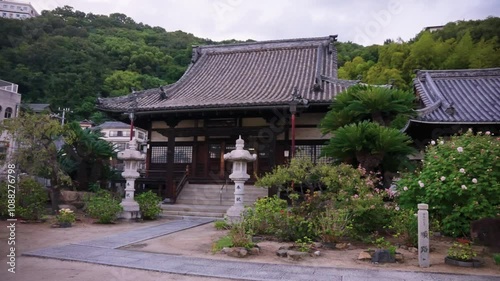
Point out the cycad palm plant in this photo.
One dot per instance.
(378, 104)
(86, 155)
(364, 127)
(368, 144)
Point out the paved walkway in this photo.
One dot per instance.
(105, 251)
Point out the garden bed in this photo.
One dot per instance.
(197, 242)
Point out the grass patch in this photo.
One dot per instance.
(224, 241)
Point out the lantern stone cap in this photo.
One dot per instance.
(239, 154)
(131, 153)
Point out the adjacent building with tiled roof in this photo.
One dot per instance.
(272, 93)
(454, 100)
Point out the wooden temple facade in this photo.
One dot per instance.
(272, 93)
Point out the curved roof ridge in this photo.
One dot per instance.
(270, 44)
(462, 73)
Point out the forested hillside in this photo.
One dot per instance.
(459, 45)
(68, 58)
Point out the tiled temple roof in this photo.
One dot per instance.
(245, 75)
(459, 96)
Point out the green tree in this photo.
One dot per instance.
(422, 55)
(355, 69)
(36, 153)
(86, 155)
(485, 54)
(460, 57)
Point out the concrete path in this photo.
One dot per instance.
(105, 251)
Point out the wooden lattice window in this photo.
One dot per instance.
(183, 154)
(159, 154)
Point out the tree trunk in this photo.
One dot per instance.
(55, 195)
(377, 117)
(369, 161)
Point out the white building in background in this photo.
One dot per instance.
(10, 102)
(17, 10)
(118, 133)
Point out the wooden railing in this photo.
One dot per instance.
(181, 184)
(221, 190)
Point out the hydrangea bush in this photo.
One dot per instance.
(459, 179)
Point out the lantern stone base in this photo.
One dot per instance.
(234, 213)
(130, 210)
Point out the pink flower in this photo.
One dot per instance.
(462, 170)
(487, 133)
(443, 178)
(474, 180)
(460, 149)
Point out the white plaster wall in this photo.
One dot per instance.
(155, 136)
(159, 125)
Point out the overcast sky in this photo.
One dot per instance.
(364, 22)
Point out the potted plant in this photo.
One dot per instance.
(462, 254)
(65, 217)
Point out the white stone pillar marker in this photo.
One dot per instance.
(423, 235)
(239, 157)
(131, 157)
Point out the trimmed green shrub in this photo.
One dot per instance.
(149, 205)
(30, 199)
(103, 207)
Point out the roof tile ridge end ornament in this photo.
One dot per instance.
(428, 109)
(437, 92)
(269, 43)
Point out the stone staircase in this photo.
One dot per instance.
(209, 200)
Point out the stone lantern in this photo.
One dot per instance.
(240, 158)
(131, 157)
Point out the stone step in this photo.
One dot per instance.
(218, 195)
(168, 214)
(208, 202)
(194, 208)
(225, 197)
